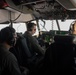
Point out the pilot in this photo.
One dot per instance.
(8, 62)
(31, 40)
(72, 29)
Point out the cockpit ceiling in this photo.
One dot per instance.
(44, 9)
(51, 9)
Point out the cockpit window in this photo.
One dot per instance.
(52, 25)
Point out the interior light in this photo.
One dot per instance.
(3, 4)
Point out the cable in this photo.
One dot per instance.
(17, 17)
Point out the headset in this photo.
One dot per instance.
(7, 35)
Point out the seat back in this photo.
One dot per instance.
(21, 51)
(22, 42)
(61, 54)
(24, 55)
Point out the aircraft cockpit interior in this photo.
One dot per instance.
(53, 19)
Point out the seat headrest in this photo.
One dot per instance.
(66, 39)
